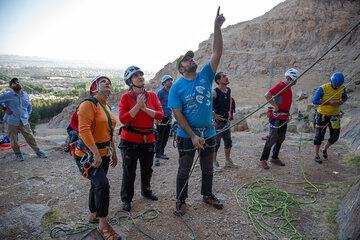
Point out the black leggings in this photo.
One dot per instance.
(99, 194)
(162, 136)
(131, 153)
(321, 123)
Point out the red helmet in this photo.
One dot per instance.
(94, 84)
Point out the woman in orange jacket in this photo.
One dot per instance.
(137, 111)
(95, 151)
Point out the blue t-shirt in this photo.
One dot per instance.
(163, 96)
(194, 97)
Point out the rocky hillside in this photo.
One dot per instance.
(293, 34)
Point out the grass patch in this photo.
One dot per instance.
(51, 218)
(355, 161)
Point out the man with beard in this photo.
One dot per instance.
(18, 108)
(221, 114)
(190, 99)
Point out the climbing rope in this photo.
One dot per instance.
(271, 202)
(265, 204)
(59, 229)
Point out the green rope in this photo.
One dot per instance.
(59, 229)
(266, 202)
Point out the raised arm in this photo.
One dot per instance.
(218, 41)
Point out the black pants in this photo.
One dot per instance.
(276, 138)
(99, 194)
(162, 135)
(226, 136)
(321, 123)
(131, 153)
(186, 159)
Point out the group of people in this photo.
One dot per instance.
(194, 105)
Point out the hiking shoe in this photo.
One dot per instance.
(318, 160)
(277, 161)
(213, 201)
(41, 154)
(94, 220)
(151, 197)
(263, 163)
(20, 158)
(230, 164)
(126, 206)
(164, 157)
(325, 155)
(216, 166)
(109, 233)
(157, 162)
(180, 208)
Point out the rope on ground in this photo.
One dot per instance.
(60, 229)
(282, 228)
(266, 203)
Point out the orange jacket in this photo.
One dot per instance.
(93, 124)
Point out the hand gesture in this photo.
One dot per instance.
(97, 160)
(220, 19)
(141, 100)
(218, 117)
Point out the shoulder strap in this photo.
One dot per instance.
(108, 116)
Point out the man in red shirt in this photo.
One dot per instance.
(279, 118)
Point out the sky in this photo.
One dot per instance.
(117, 33)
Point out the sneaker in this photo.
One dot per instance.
(325, 155)
(109, 233)
(263, 163)
(277, 161)
(20, 158)
(164, 157)
(213, 201)
(126, 206)
(318, 160)
(151, 196)
(41, 154)
(180, 208)
(230, 164)
(216, 166)
(157, 162)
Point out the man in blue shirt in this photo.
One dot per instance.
(190, 99)
(16, 115)
(163, 126)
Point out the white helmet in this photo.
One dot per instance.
(292, 73)
(129, 72)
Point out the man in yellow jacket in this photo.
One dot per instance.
(327, 115)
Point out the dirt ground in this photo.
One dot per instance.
(56, 182)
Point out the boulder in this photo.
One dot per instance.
(348, 216)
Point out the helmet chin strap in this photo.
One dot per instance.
(133, 85)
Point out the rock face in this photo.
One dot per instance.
(293, 34)
(348, 216)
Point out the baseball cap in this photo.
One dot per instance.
(178, 61)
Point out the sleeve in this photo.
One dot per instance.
(318, 95)
(207, 70)
(159, 113)
(86, 115)
(344, 95)
(174, 97)
(3, 99)
(276, 89)
(124, 108)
